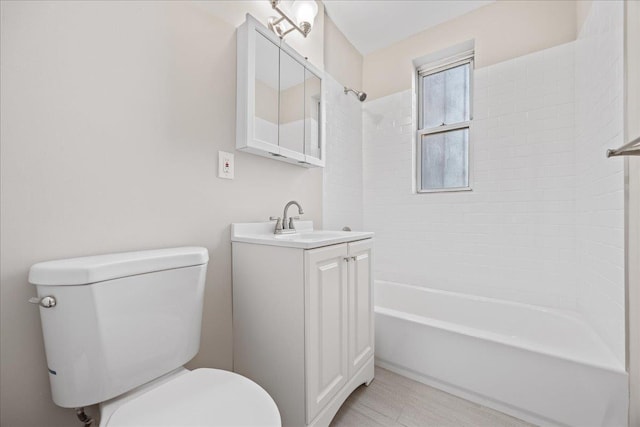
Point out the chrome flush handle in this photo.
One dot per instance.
(46, 302)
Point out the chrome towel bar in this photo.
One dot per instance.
(630, 149)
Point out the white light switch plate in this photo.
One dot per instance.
(225, 165)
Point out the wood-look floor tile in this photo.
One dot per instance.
(388, 377)
(385, 399)
(392, 400)
(374, 415)
(460, 410)
(350, 416)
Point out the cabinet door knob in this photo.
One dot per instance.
(347, 258)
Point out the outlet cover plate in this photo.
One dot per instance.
(225, 165)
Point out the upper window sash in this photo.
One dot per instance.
(441, 66)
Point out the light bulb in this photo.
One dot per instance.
(305, 12)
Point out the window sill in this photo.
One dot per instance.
(444, 190)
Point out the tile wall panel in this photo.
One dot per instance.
(600, 187)
(342, 180)
(513, 235)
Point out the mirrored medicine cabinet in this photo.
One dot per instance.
(280, 103)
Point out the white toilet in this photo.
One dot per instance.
(118, 328)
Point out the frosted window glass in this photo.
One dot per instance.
(457, 94)
(445, 160)
(434, 100)
(445, 97)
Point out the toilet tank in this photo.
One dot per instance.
(120, 320)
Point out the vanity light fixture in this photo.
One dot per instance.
(304, 12)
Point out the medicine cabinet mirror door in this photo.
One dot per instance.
(312, 112)
(266, 91)
(277, 111)
(291, 129)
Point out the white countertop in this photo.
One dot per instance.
(262, 233)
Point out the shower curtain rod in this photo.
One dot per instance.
(630, 149)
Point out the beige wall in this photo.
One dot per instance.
(112, 117)
(582, 11)
(502, 30)
(342, 60)
(292, 106)
(266, 102)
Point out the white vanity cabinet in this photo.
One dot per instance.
(338, 319)
(303, 324)
(280, 104)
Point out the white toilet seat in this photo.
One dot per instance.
(202, 397)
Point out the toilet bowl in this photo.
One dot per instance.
(118, 329)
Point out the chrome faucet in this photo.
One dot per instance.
(289, 225)
(282, 225)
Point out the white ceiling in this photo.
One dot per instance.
(373, 24)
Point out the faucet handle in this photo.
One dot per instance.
(291, 225)
(278, 223)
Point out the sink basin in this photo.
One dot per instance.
(305, 238)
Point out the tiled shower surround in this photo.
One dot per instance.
(511, 237)
(342, 180)
(600, 189)
(543, 223)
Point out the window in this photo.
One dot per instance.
(444, 109)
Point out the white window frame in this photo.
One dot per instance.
(425, 70)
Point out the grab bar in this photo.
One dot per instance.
(630, 149)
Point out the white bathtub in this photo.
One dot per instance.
(541, 365)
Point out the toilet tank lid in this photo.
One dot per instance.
(91, 269)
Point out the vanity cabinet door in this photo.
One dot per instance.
(291, 123)
(361, 336)
(326, 325)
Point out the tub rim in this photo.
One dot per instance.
(493, 336)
